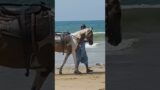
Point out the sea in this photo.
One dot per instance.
(95, 52)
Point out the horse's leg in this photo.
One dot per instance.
(76, 71)
(65, 59)
(41, 75)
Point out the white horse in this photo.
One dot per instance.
(71, 46)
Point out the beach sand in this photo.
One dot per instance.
(70, 81)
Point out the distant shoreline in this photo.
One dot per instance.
(140, 6)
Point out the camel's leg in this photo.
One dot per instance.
(76, 71)
(65, 59)
(40, 78)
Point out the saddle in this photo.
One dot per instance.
(62, 38)
(30, 23)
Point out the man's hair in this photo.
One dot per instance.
(83, 26)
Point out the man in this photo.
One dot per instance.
(81, 53)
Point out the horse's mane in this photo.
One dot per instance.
(80, 31)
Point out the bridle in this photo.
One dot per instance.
(90, 36)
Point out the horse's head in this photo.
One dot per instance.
(89, 35)
(86, 33)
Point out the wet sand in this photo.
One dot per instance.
(70, 81)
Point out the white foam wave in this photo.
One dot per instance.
(91, 46)
(98, 32)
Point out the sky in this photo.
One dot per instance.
(74, 10)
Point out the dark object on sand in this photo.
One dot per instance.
(98, 64)
(23, 34)
(113, 24)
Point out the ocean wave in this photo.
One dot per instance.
(127, 43)
(91, 46)
(99, 36)
(98, 32)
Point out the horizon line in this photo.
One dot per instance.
(81, 20)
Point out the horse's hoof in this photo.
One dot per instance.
(77, 72)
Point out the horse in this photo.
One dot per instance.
(113, 22)
(18, 41)
(72, 45)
